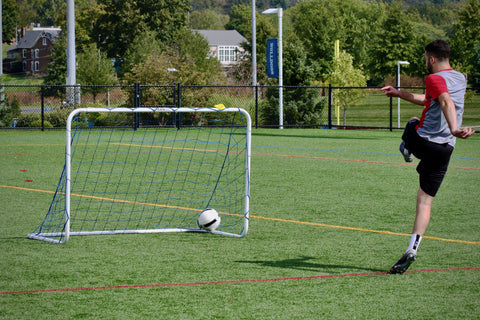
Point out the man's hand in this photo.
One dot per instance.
(390, 91)
(463, 133)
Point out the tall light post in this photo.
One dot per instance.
(71, 60)
(398, 86)
(279, 11)
(2, 94)
(254, 44)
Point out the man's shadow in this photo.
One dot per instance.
(305, 263)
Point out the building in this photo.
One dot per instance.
(225, 45)
(31, 54)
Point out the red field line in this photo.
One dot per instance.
(230, 281)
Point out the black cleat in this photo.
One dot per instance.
(405, 261)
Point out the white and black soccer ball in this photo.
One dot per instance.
(208, 219)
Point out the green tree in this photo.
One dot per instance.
(122, 21)
(9, 111)
(187, 56)
(241, 20)
(302, 105)
(140, 49)
(475, 77)
(318, 23)
(10, 16)
(346, 75)
(94, 68)
(49, 12)
(208, 20)
(396, 42)
(466, 35)
(57, 68)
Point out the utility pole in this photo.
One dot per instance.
(2, 91)
(254, 44)
(71, 63)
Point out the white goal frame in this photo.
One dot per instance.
(65, 235)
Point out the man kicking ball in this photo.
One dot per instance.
(432, 137)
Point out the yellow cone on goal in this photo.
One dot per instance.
(219, 106)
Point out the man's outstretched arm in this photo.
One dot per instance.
(418, 99)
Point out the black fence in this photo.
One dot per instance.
(46, 106)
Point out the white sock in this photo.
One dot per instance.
(414, 242)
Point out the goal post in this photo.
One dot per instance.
(151, 170)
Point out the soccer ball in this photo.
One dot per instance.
(209, 219)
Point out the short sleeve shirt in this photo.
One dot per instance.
(433, 126)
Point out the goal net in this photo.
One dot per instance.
(147, 170)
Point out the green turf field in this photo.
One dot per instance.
(331, 211)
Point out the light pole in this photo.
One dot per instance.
(398, 86)
(254, 44)
(279, 11)
(71, 79)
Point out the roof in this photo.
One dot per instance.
(31, 37)
(223, 37)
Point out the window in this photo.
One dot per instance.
(37, 66)
(227, 53)
(24, 66)
(32, 53)
(24, 53)
(36, 53)
(44, 41)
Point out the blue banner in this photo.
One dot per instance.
(272, 58)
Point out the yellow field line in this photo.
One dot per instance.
(255, 217)
(363, 230)
(105, 199)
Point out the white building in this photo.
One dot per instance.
(225, 45)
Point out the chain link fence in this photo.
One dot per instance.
(42, 106)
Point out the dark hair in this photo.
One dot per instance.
(439, 49)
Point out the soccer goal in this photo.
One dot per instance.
(147, 170)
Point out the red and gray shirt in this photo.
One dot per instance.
(433, 126)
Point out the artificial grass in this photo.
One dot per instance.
(323, 202)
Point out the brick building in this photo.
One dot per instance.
(31, 54)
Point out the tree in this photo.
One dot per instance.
(122, 21)
(302, 105)
(49, 12)
(475, 78)
(241, 20)
(395, 43)
(9, 111)
(466, 35)
(94, 68)
(208, 20)
(318, 23)
(345, 75)
(187, 55)
(9, 19)
(57, 68)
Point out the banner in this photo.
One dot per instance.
(272, 58)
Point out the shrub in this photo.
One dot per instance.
(58, 117)
(10, 112)
(26, 119)
(38, 124)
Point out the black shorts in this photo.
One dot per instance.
(434, 158)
